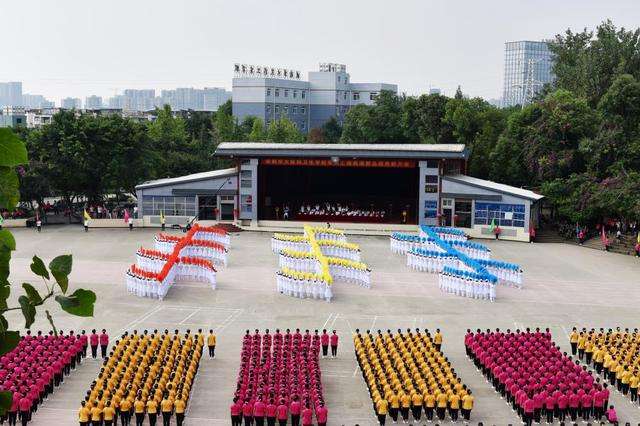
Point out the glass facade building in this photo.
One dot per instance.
(527, 68)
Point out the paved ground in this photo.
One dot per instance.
(566, 286)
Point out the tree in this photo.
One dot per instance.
(315, 135)
(331, 131)
(423, 120)
(13, 153)
(257, 133)
(284, 131)
(587, 64)
(379, 123)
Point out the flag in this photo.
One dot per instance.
(126, 216)
(86, 215)
(492, 227)
(638, 240)
(603, 236)
(2, 221)
(161, 216)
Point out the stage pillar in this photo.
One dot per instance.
(428, 195)
(248, 182)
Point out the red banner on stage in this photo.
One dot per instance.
(321, 162)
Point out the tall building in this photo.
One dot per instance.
(71, 103)
(93, 102)
(274, 93)
(189, 98)
(11, 94)
(214, 97)
(12, 116)
(36, 102)
(527, 68)
(138, 100)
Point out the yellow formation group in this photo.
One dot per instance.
(615, 354)
(148, 374)
(407, 373)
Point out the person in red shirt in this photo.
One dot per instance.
(104, 343)
(93, 341)
(321, 415)
(258, 412)
(13, 410)
(334, 344)
(271, 413)
(247, 413)
(529, 408)
(282, 413)
(324, 341)
(307, 416)
(295, 412)
(25, 410)
(236, 413)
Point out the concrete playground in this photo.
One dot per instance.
(565, 286)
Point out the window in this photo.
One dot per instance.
(246, 203)
(304, 94)
(302, 109)
(277, 109)
(430, 209)
(268, 108)
(338, 79)
(463, 213)
(269, 91)
(356, 96)
(503, 214)
(286, 93)
(373, 96)
(295, 94)
(431, 184)
(153, 205)
(294, 109)
(344, 95)
(432, 164)
(277, 93)
(432, 179)
(285, 109)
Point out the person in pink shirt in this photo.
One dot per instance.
(271, 413)
(307, 416)
(321, 415)
(25, 410)
(295, 409)
(334, 344)
(247, 412)
(93, 341)
(85, 342)
(258, 412)
(282, 413)
(236, 413)
(612, 416)
(13, 410)
(104, 343)
(529, 409)
(324, 341)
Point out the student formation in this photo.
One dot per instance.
(147, 377)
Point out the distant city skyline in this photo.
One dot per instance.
(413, 43)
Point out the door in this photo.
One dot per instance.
(226, 211)
(447, 212)
(207, 207)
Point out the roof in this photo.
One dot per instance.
(400, 151)
(493, 186)
(189, 178)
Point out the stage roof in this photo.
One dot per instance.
(189, 178)
(309, 150)
(494, 186)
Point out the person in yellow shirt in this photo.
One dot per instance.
(96, 415)
(125, 410)
(454, 406)
(429, 404)
(394, 402)
(138, 409)
(467, 406)
(416, 406)
(437, 339)
(108, 414)
(179, 406)
(211, 343)
(442, 400)
(167, 409)
(405, 404)
(382, 408)
(83, 414)
(152, 411)
(573, 339)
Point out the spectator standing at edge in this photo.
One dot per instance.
(211, 343)
(324, 341)
(104, 343)
(93, 341)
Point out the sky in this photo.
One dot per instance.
(81, 47)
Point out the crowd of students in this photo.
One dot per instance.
(614, 354)
(280, 378)
(38, 365)
(304, 285)
(146, 375)
(338, 210)
(467, 283)
(407, 373)
(539, 381)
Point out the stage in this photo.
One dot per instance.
(348, 227)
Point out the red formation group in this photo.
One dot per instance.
(279, 378)
(531, 372)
